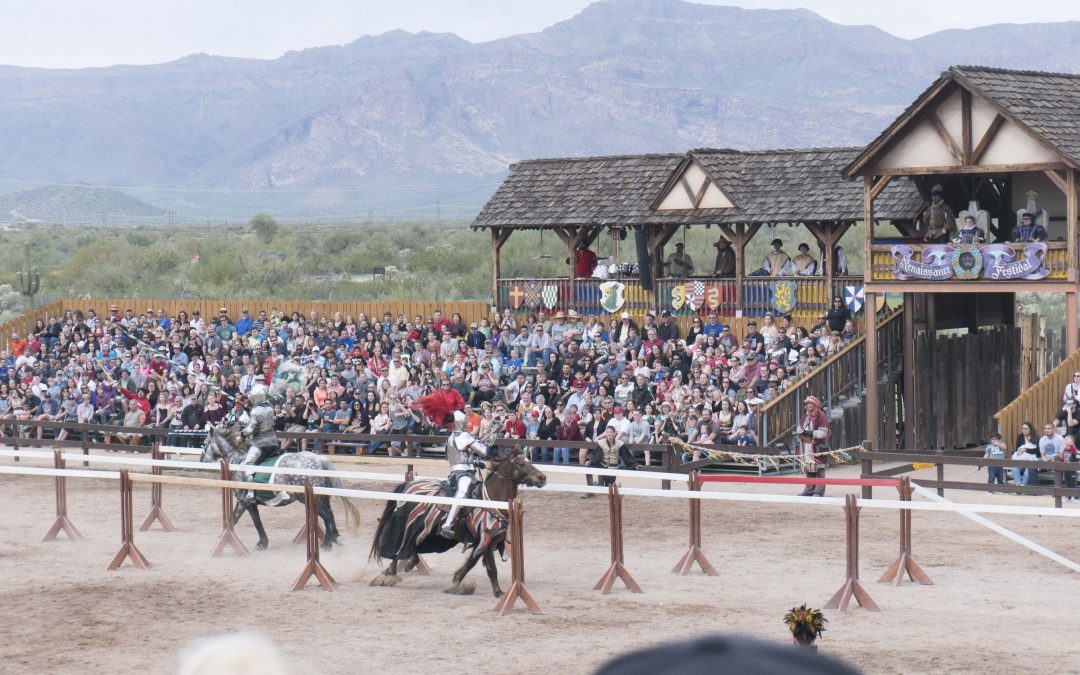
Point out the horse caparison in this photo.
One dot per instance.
(408, 529)
(227, 443)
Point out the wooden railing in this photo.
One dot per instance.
(1040, 402)
(470, 310)
(813, 296)
(882, 263)
(836, 381)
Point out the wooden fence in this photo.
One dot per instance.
(1042, 349)
(1040, 402)
(1054, 471)
(963, 379)
(470, 310)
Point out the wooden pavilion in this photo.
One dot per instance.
(653, 197)
(996, 142)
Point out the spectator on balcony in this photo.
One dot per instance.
(939, 219)
(969, 232)
(679, 264)
(1029, 230)
(840, 260)
(584, 262)
(804, 263)
(725, 259)
(778, 263)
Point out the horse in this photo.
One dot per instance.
(408, 529)
(228, 444)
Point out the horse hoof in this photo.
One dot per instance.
(497, 594)
(386, 580)
(327, 546)
(464, 588)
(262, 546)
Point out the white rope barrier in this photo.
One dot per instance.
(1005, 532)
(334, 492)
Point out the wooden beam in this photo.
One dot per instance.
(498, 238)
(868, 219)
(880, 185)
(870, 347)
(965, 126)
(984, 142)
(1071, 209)
(1061, 183)
(701, 192)
(908, 342)
(980, 168)
(689, 190)
(1072, 341)
(943, 133)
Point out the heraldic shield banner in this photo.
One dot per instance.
(612, 296)
(784, 297)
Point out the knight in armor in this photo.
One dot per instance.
(260, 430)
(939, 219)
(465, 454)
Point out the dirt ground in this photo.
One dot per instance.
(995, 607)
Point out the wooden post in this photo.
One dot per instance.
(517, 565)
(905, 564)
(62, 521)
(228, 534)
(498, 238)
(694, 553)
(1072, 335)
(127, 529)
(870, 346)
(908, 343)
(618, 566)
(156, 512)
(313, 567)
(867, 469)
(868, 226)
(1071, 208)
(852, 586)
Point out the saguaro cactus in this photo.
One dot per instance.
(28, 280)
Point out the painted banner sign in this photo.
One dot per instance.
(942, 262)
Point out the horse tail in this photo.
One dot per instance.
(388, 511)
(352, 514)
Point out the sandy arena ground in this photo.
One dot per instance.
(995, 607)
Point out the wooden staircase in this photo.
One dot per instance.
(1040, 402)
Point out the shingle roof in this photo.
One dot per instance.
(766, 186)
(1048, 104)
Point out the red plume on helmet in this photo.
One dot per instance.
(440, 405)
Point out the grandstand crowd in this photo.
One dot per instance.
(550, 377)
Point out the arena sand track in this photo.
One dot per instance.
(995, 608)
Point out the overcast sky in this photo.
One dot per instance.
(81, 33)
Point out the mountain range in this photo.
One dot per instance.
(402, 124)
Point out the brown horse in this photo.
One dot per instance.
(408, 529)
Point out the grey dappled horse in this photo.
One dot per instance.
(226, 442)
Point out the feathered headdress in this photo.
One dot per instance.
(440, 405)
(805, 624)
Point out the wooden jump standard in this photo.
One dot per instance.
(694, 553)
(618, 565)
(62, 521)
(156, 512)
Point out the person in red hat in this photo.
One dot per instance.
(813, 433)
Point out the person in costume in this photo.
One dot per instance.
(260, 430)
(804, 263)
(463, 450)
(970, 233)
(939, 218)
(777, 262)
(679, 263)
(725, 259)
(1029, 230)
(813, 434)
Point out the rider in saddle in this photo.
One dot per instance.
(465, 454)
(260, 429)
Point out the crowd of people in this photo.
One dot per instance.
(549, 377)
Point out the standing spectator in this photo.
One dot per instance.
(813, 432)
(995, 450)
(547, 431)
(568, 431)
(838, 315)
